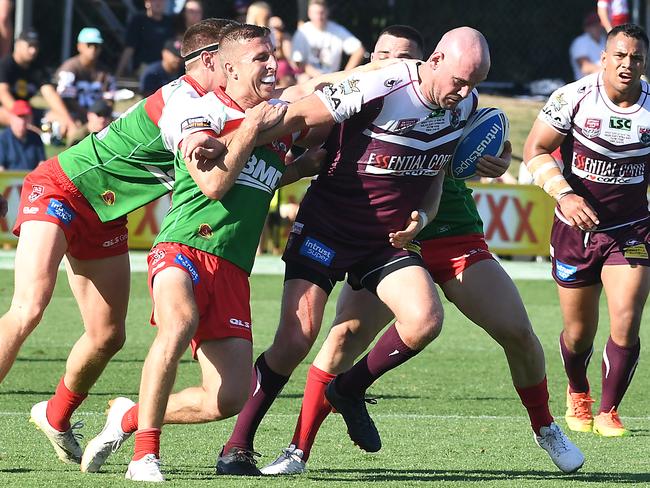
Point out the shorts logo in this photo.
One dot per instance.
(592, 128)
(414, 247)
(296, 228)
(317, 251)
(565, 272)
(156, 255)
(60, 211)
(30, 210)
(116, 240)
(37, 191)
(109, 197)
(189, 266)
(205, 231)
(240, 323)
(635, 251)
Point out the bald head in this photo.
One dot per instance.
(460, 61)
(468, 45)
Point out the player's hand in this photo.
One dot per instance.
(578, 212)
(308, 163)
(264, 115)
(492, 166)
(401, 238)
(4, 206)
(201, 145)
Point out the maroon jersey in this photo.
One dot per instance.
(606, 149)
(388, 145)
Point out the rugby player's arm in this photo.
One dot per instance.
(541, 142)
(421, 217)
(306, 165)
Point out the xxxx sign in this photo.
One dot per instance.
(517, 219)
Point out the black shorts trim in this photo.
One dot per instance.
(370, 281)
(298, 271)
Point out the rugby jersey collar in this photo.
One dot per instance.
(227, 101)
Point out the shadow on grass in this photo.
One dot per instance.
(465, 476)
(16, 470)
(109, 394)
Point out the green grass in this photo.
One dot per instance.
(450, 416)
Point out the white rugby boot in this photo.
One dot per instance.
(288, 462)
(65, 444)
(145, 469)
(562, 451)
(109, 439)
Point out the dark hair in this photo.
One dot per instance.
(242, 32)
(204, 33)
(405, 32)
(630, 30)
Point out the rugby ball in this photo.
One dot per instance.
(485, 133)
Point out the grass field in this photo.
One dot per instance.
(450, 417)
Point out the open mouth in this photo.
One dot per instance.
(625, 77)
(268, 80)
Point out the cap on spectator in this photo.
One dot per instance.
(90, 35)
(21, 107)
(29, 35)
(101, 108)
(591, 19)
(173, 46)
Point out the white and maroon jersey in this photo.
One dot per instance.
(389, 143)
(606, 148)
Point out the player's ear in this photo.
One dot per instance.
(435, 59)
(230, 70)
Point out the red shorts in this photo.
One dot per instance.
(447, 257)
(48, 195)
(221, 291)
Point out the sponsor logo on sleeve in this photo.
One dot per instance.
(186, 263)
(37, 191)
(109, 197)
(317, 251)
(195, 123)
(592, 128)
(565, 272)
(391, 82)
(60, 210)
(349, 86)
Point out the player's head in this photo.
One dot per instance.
(398, 41)
(199, 48)
(246, 56)
(624, 61)
(460, 61)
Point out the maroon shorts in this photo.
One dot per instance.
(578, 257)
(221, 291)
(447, 257)
(48, 195)
(315, 257)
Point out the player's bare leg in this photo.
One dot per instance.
(41, 248)
(177, 317)
(303, 305)
(225, 369)
(418, 322)
(626, 289)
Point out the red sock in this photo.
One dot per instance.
(535, 399)
(147, 441)
(315, 408)
(130, 419)
(62, 405)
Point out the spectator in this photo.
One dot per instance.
(146, 34)
(285, 73)
(100, 114)
(191, 14)
(258, 13)
(613, 13)
(167, 69)
(21, 149)
(241, 10)
(586, 49)
(21, 78)
(82, 80)
(6, 27)
(319, 44)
